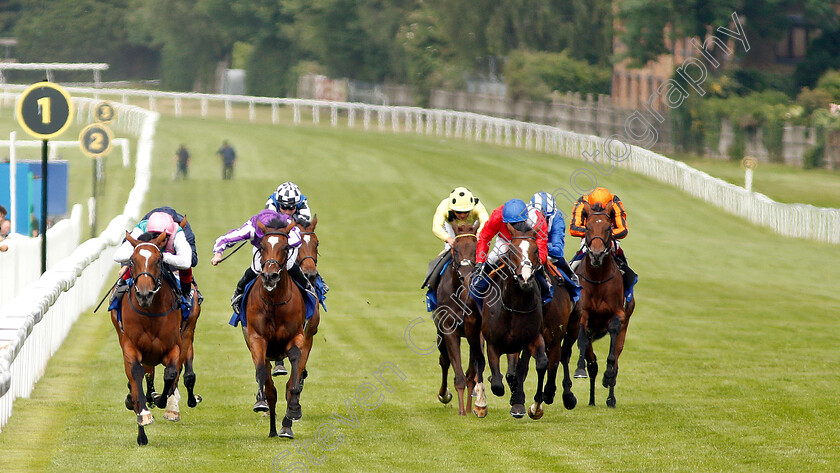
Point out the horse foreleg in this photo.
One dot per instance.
(517, 396)
(510, 375)
(476, 372)
(582, 342)
(134, 372)
(257, 345)
(271, 396)
(444, 395)
(617, 329)
(569, 399)
(293, 408)
(495, 373)
(151, 394)
(170, 375)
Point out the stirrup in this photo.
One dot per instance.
(235, 302)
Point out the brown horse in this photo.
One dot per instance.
(512, 316)
(275, 317)
(150, 332)
(560, 324)
(307, 259)
(602, 305)
(457, 316)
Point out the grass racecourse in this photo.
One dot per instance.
(731, 361)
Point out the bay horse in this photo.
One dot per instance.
(602, 303)
(307, 259)
(561, 321)
(275, 316)
(150, 331)
(512, 318)
(457, 316)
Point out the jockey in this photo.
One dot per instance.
(602, 200)
(514, 212)
(185, 275)
(544, 202)
(288, 199)
(460, 207)
(176, 254)
(250, 231)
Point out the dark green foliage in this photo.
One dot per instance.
(815, 156)
(270, 69)
(823, 54)
(535, 74)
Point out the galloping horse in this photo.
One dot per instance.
(150, 331)
(602, 304)
(275, 316)
(560, 324)
(512, 319)
(457, 316)
(307, 259)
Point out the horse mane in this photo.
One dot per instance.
(148, 236)
(276, 224)
(522, 226)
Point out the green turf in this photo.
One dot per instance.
(780, 182)
(730, 361)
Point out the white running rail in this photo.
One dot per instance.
(35, 322)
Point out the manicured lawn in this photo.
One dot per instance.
(730, 361)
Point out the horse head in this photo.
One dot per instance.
(523, 255)
(463, 251)
(274, 250)
(598, 239)
(147, 260)
(307, 257)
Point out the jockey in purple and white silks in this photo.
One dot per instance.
(250, 231)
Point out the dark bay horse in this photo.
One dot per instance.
(307, 259)
(560, 324)
(150, 332)
(512, 317)
(457, 316)
(275, 317)
(603, 309)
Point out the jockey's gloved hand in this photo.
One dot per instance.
(478, 270)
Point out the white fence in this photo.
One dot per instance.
(34, 323)
(796, 220)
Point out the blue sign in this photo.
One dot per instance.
(28, 192)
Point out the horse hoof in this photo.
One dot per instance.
(548, 398)
(480, 412)
(145, 418)
(279, 370)
(129, 403)
(518, 411)
(286, 433)
(445, 398)
(611, 402)
(535, 412)
(570, 401)
(581, 373)
(142, 439)
(260, 406)
(172, 415)
(497, 389)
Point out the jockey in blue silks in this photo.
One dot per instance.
(544, 202)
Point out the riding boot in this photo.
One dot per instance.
(563, 266)
(545, 289)
(629, 276)
(236, 300)
(480, 281)
(121, 288)
(435, 267)
(186, 294)
(297, 274)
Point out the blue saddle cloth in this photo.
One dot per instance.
(116, 304)
(309, 301)
(431, 297)
(479, 288)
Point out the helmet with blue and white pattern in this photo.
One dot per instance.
(545, 203)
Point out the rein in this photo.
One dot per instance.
(452, 252)
(153, 314)
(502, 298)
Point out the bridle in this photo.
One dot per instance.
(271, 261)
(607, 244)
(158, 283)
(314, 258)
(465, 261)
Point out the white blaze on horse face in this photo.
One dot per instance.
(273, 240)
(306, 238)
(146, 254)
(524, 246)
